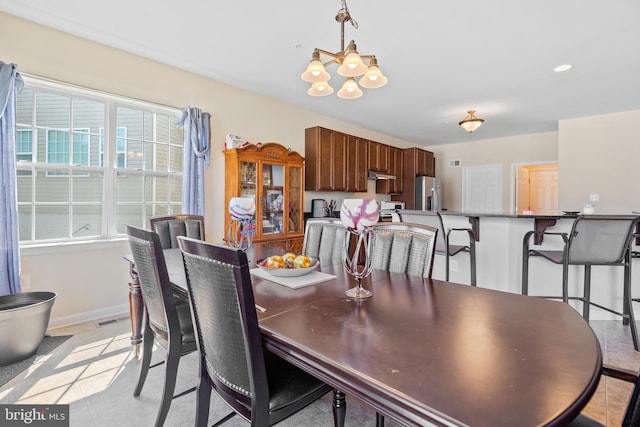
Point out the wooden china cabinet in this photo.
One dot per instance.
(273, 176)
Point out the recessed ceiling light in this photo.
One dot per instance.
(561, 68)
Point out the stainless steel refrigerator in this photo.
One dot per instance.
(428, 193)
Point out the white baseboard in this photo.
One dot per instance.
(89, 316)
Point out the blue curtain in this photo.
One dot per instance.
(197, 146)
(10, 82)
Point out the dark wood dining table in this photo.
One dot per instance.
(424, 351)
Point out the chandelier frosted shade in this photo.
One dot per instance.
(315, 71)
(350, 89)
(352, 65)
(320, 89)
(471, 122)
(373, 78)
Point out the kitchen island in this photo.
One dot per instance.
(499, 258)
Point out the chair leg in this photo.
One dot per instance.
(565, 282)
(628, 304)
(446, 265)
(339, 408)
(379, 420)
(472, 262)
(586, 298)
(203, 400)
(171, 371)
(525, 270)
(147, 348)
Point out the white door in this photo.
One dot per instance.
(482, 189)
(543, 191)
(522, 195)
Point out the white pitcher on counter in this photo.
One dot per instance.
(589, 209)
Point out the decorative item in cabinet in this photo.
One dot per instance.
(274, 176)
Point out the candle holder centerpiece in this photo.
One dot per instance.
(358, 216)
(243, 225)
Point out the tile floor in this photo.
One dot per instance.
(95, 372)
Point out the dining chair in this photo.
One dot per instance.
(258, 385)
(166, 321)
(406, 248)
(324, 240)
(632, 413)
(594, 240)
(169, 227)
(443, 245)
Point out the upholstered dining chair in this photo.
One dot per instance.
(258, 385)
(167, 320)
(594, 240)
(406, 248)
(632, 413)
(443, 245)
(169, 227)
(324, 240)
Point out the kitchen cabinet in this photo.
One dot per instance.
(378, 157)
(326, 153)
(396, 168)
(273, 176)
(424, 162)
(417, 162)
(356, 170)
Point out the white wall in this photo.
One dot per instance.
(601, 155)
(503, 151)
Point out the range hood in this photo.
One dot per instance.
(378, 175)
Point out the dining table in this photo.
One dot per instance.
(422, 351)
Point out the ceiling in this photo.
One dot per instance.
(442, 58)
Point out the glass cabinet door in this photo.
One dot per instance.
(272, 199)
(295, 200)
(248, 181)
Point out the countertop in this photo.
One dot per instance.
(495, 215)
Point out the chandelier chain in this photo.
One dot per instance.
(345, 10)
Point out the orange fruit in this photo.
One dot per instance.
(275, 261)
(302, 261)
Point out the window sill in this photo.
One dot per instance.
(58, 247)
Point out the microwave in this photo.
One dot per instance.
(391, 205)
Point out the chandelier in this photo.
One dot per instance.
(471, 122)
(351, 65)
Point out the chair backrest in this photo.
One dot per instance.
(431, 219)
(401, 247)
(224, 314)
(154, 283)
(324, 240)
(601, 239)
(171, 226)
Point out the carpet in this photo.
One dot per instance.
(48, 344)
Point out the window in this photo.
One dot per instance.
(107, 161)
(121, 147)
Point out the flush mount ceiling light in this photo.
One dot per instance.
(351, 65)
(563, 67)
(471, 122)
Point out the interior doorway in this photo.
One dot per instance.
(535, 188)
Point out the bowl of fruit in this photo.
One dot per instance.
(288, 265)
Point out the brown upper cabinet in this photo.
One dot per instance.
(396, 168)
(326, 160)
(357, 156)
(424, 162)
(378, 157)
